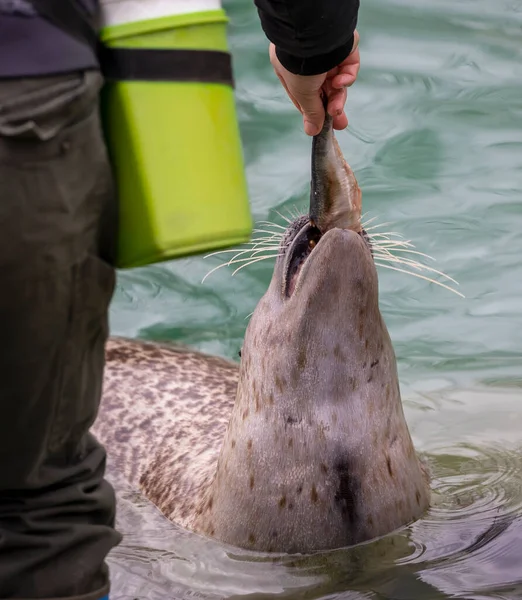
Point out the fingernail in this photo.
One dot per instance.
(311, 128)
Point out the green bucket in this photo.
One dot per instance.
(175, 146)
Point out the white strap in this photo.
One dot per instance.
(118, 12)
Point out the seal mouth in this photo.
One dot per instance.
(301, 248)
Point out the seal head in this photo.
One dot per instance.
(317, 454)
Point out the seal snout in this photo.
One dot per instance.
(336, 247)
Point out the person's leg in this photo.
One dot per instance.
(57, 237)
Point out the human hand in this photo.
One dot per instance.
(305, 90)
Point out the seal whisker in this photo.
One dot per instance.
(254, 261)
(284, 218)
(213, 270)
(268, 242)
(387, 235)
(411, 263)
(235, 260)
(275, 242)
(265, 249)
(276, 235)
(265, 238)
(377, 247)
(387, 244)
(421, 277)
(366, 223)
(270, 224)
(294, 212)
(254, 250)
(385, 239)
(270, 238)
(401, 260)
(376, 226)
(414, 264)
(271, 233)
(253, 244)
(364, 215)
(390, 243)
(384, 242)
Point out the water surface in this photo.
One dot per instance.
(435, 140)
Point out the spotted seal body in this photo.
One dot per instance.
(304, 447)
(163, 418)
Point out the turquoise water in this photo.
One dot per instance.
(435, 140)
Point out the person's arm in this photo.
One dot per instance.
(310, 36)
(313, 50)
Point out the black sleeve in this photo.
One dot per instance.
(311, 36)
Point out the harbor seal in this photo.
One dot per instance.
(305, 447)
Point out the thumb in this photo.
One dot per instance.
(312, 108)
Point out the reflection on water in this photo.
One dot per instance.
(435, 140)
